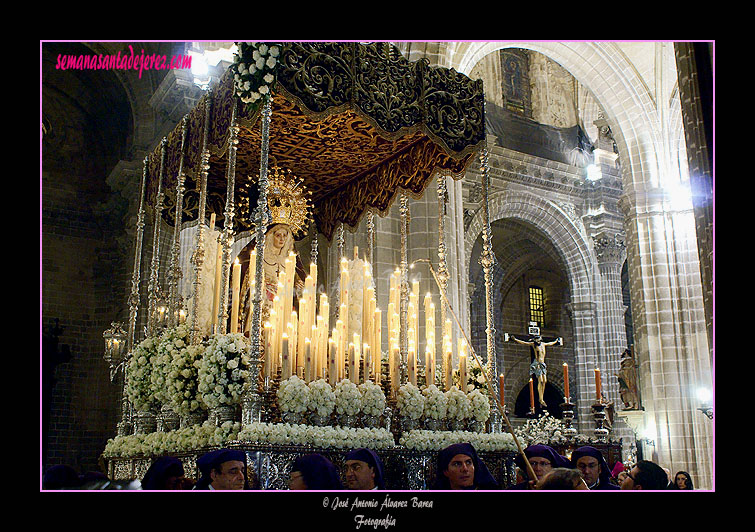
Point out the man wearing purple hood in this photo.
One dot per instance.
(543, 459)
(459, 468)
(363, 470)
(593, 468)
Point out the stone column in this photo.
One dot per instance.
(671, 341)
(610, 252)
(585, 320)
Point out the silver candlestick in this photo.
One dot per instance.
(599, 413)
(567, 408)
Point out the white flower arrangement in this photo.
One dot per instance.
(411, 402)
(547, 430)
(138, 375)
(183, 379)
(428, 440)
(475, 379)
(293, 395)
(373, 398)
(435, 402)
(182, 440)
(169, 346)
(348, 398)
(223, 370)
(322, 437)
(458, 405)
(254, 71)
(480, 405)
(322, 398)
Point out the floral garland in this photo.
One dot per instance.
(223, 370)
(429, 440)
(322, 399)
(183, 379)
(435, 402)
(138, 375)
(176, 441)
(373, 398)
(411, 402)
(546, 430)
(322, 437)
(254, 71)
(293, 395)
(348, 398)
(458, 405)
(169, 346)
(480, 405)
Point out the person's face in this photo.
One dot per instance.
(460, 472)
(174, 483)
(681, 482)
(628, 482)
(359, 475)
(590, 469)
(296, 481)
(230, 477)
(279, 237)
(541, 466)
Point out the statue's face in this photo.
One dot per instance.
(279, 237)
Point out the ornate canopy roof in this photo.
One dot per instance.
(356, 122)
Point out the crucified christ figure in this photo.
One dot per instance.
(537, 368)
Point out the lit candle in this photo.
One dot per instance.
(366, 361)
(235, 293)
(394, 368)
(216, 293)
(377, 347)
(500, 389)
(286, 361)
(429, 368)
(463, 371)
(597, 385)
(266, 348)
(307, 360)
(412, 364)
(332, 355)
(532, 397)
(447, 365)
(566, 382)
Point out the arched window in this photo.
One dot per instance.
(537, 308)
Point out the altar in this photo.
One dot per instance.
(232, 341)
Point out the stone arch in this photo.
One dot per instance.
(630, 108)
(552, 222)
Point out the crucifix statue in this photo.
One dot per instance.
(537, 367)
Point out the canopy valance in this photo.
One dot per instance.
(356, 122)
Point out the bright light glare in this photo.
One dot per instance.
(199, 65)
(704, 395)
(593, 172)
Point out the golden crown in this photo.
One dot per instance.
(288, 200)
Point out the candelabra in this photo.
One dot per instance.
(567, 408)
(599, 413)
